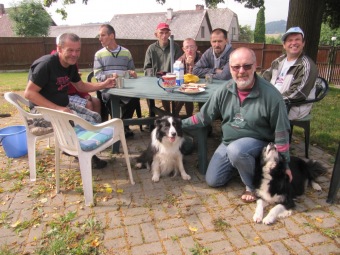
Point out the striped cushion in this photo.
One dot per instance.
(90, 140)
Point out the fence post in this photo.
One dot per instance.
(331, 62)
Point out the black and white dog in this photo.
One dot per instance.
(163, 155)
(273, 186)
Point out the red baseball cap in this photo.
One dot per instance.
(163, 25)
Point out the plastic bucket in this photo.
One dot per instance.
(13, 140)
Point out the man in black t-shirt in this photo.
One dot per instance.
(50, 75)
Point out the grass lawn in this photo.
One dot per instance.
(325, 125)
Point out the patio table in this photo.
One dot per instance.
(146, 87)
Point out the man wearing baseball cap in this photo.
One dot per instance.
(158, 55)
(293, 73)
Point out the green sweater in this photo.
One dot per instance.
(262, 115)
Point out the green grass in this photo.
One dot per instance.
(325, 131)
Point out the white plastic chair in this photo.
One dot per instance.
(21, 103)
(67, 140)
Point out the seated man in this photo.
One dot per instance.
(114, 59)
(50, 76)
(158, 56)
(293, 73)
(215, 60)
(189, 59)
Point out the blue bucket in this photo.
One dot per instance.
(13, 140)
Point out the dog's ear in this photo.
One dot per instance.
(157, 122)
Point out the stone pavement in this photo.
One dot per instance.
(172, 216)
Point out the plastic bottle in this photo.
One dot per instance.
(179, 71)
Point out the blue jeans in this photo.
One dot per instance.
(239, 154)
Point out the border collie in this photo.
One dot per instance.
(273, 186)
(163, 155)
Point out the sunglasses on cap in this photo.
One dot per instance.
(245, 67)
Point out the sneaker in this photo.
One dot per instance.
(98, 163)
(128, 132)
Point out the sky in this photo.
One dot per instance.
(100, 11)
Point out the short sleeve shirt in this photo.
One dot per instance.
(53, 78)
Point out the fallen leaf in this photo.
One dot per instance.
(108, 190)
(95, 243)
(43, 200)
(319, 219)
(120, 191)
(14, 225)
(192, 229)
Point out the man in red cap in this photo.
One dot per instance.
(158, 55)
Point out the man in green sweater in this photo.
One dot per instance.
(253, 114)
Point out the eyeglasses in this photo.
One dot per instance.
(245, 67)
(191, 47)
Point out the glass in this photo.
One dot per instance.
(190, 47)
(245, 67)
(209, 78)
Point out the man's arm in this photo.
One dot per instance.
(91, 87)
(203, 66)
(148, 59)
(223, 74)
(32, 94)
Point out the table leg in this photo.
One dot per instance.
(115, 110)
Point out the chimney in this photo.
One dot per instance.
(2, 9)
(169, 14)
(199, 7)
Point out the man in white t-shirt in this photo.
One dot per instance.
(293, 73)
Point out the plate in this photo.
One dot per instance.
(191, 92)
(194, 85)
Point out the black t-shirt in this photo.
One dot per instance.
(53, 78)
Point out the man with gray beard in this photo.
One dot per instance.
(253, 114)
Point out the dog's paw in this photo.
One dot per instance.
(139, 165)
(155, 178)
(186, 177)
(269, 219)
(285, 214)
(257, 218)
(316, 186)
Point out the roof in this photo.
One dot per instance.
(6, 25)
(83, 31)
(221, 17)
(143, 25)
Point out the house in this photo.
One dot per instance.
(6, 24)
(196, 24)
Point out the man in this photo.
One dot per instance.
(293, 73)
(253, 114)
(215, 60)
(158, 55)
(189, 59)
(114, 59)
(50, 76)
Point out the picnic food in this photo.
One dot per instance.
(194, 85)
(189, 89)
(190, 78)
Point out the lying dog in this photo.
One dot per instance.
(163, 154)
(273, 186)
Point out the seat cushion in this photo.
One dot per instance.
(90, 140)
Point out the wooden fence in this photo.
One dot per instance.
(18, 53)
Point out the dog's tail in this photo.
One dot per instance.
(315, 169)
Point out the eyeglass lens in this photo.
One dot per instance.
(245, 67)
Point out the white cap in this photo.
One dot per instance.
(292, 30)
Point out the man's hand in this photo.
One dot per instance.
(109, 83)
(190, 60)
(289, 173)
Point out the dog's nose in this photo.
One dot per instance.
(173, 133)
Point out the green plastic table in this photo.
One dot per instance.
(146, 87)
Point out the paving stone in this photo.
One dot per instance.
(114, 233)
(312, 239)
(149, 232)
(261, 249)
(273, 235)
(327, 248)
(150, 248)
(172, 247)
(134, 235)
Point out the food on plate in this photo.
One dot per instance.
(194, 85)
(189, 89)
(190, 78)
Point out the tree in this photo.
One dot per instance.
(273, 40)
(327, 33)
(30, 19)
(246, 34)
(260, 27)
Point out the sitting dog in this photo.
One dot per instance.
(163, 154)
(273, 186)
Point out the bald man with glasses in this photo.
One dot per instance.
(253, 114)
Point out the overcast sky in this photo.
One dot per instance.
(103, 10)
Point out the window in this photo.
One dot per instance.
(202, 32)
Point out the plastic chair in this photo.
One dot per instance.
(105, 109)
(321, 90)
(66, 140)
(22, 104)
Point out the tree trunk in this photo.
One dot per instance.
(307, 14)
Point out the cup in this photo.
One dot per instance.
(127, 75)
(119, 82)
(168, 82)
(209, 78)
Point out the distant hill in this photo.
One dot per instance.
(276, 27)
